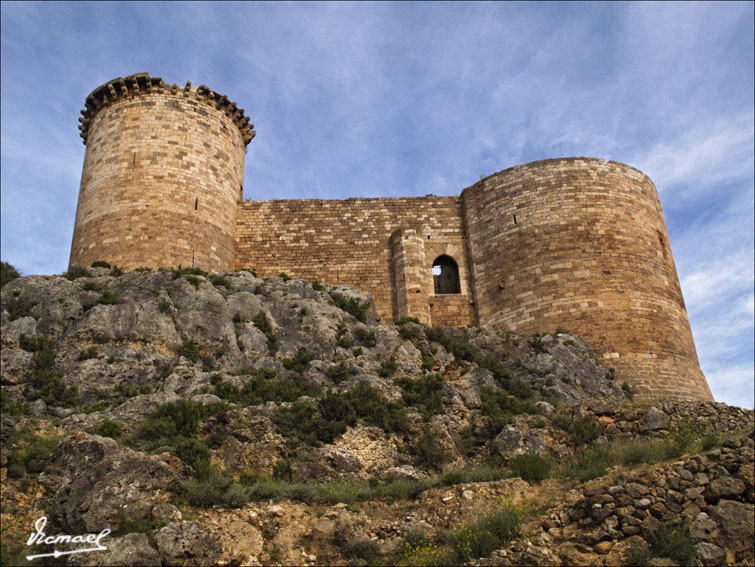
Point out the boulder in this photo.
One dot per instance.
(188, 543)
(654, 420)
(104, 487)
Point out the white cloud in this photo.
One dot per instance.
(701, 159)
(733, 384)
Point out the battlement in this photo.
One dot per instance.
(141, 83)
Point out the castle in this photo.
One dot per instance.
(574, 243)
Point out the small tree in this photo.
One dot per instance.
(7, 273)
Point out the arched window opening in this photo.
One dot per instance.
(446, 275)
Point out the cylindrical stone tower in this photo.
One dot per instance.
(581, 244)
(163, 175)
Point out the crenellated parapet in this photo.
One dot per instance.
(141, 83)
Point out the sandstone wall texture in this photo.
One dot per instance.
(162, 178)
(349, 242)
(581, 244)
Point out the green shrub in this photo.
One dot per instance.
(681, 438)
(11, 408)
(536, 342)
(641, 451)
(32, 344)
(460, 350)
(109, 428)
(284, 276)
(344, 342)
(366, 337)
(90, 285)
(371, 405)
(75, 272)
(317, 286)
(116, 272)
(261, 387)
(156, 428)
(482, 537)
(424, 393)
(673, 541)
(388, 367)
(638, 554)
(339, 372)
(300, 361)
(628, 391)
(301, 423)
(589, 463)
(31, 453)
(530, 467)
(108, 297)
(190, 350)
(361, 548)
(404, 320)
(217, 279)
(95, 407)
(583, 430)
(357, 351)
(87, 353)
(314, 424)
(196, 454)
(180, 271)
(428, 452)
(499, 407)
(7, 273)
(711, 441)
(214, 490)
(261, 322)
(352, 306)
(100, 264)
(413, 540)
(511, 385)
(409, 333)
(174, 418)
(45, 380)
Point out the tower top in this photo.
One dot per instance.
(141, 84)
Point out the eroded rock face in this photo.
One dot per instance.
(132, 327)
(161, 337)
(104, 487)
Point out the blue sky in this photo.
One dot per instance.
(384, 99)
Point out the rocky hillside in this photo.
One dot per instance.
(236, 420)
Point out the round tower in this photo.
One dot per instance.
(163, 175)
(580, 244)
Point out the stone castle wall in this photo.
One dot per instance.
(574, 243)
(581, 244)
(162, 178)
(349, 242)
